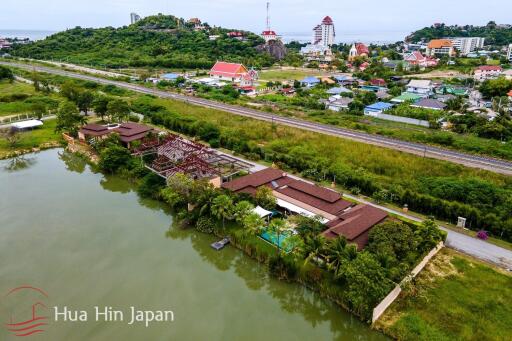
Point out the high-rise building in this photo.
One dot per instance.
(466, 45)
(509, 53)
(134, 17)
(324, 33)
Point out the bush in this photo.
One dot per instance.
(151, 186)
(205, 225)
(114, 158)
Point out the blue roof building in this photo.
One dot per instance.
(377, 108)
(170, 76)
(310, 81)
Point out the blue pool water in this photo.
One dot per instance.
(272, 237)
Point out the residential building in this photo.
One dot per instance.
(440, 47)
(4, 43)
(377, 108)
(324, 34)
(355, 224)
(338, 103)
(424, 88)
(338, 90)
(358, 50)
(407, 97)
(318, 53)
(128, 132)
(417, 58)
(428, 103)
(509, 53)
(269, 34)
(467, 45)
(290, 192)
(310, 82)
(198, 25)
(485, 72)
(232, 72)
(134, 17)
(507, 74)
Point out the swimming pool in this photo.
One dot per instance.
(272, 238)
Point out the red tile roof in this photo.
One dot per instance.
(489, 68)
(321, 198)
(94, 130)
(362, 49)
(327, 20)
(509, 93)
(355, 224)
(268, 33)
(130, 131)
(232, 70)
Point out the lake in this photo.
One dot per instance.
(88, 240)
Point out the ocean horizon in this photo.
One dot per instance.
(368, 37)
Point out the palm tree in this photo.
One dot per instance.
(336, 254)
(222, 208)
(253, 223)
(313, 247)
(277, 227)
(241, 210)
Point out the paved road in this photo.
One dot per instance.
(495, 165)
(461, 242)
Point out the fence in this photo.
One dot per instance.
(391, 297)
(400, 119)
(21, 117)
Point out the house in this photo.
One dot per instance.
(416, 58)
(378, 82)
(406, 97)
(339, 103)
(338, 91)
(377, 108)
(236, 35)
(287, 91)
(355, 224)
(485, 72)
(269, 35)
(507, 74)
(310, 82)
(424, 88)
(128, 132)
(170, 76)
(294, 195)
(428, 103)
(319, 53)
(345, 80)
(232, 72)
(440, 47)
(358, 50)
(445, 98)
(509, 53)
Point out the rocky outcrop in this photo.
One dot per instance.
(275, 48)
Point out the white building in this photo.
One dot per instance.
(134, 17)
(423, 88)
(324, 33)
(467, 45)
(486, 72)
(509, 53)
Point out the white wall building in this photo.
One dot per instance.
(134, 17)
(509, 53)
(324, 33)
(466, 45)
(420, 87)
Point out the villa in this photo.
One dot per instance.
(423, 88)
(128, 132)
(231, 72)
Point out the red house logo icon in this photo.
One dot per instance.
(33, 319)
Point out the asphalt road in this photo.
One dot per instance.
(482, 162)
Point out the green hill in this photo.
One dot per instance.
(160, 41)
(494, 34)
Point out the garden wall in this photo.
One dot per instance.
(400, 119)
(391, 297)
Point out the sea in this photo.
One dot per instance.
(379, 37)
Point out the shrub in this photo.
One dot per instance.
(114, 158)
(205, 225)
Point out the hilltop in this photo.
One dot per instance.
(495, 34)
(160, 41)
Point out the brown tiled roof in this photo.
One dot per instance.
(440, 43)
(255, 180)
(94, 130)
(354, 223)
(132, 131)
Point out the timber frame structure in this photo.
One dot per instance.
(174, 154)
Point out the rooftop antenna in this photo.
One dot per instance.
(268, 16)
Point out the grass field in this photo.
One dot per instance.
(455, 298)
(15, 107)
(33, 139)
(282, 75)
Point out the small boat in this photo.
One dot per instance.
(220, 244)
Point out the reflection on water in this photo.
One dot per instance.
(19, 163)
(89, 240)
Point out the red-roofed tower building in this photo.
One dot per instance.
(324, 33)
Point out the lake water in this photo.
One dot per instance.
(87, 240)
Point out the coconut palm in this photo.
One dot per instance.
(253, 223)
(277, 227)
(241, 210)
(336, 254)
(222, 208)
(313, 248)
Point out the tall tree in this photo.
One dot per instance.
(68, 118)
(222, 208)
(118, 109)
(100, 106)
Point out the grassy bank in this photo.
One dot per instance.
(455, 298)
(40, 138)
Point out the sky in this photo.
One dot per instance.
(394, 17)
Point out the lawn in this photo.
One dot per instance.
(33, 139)
(455, 298)
(283, 75)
